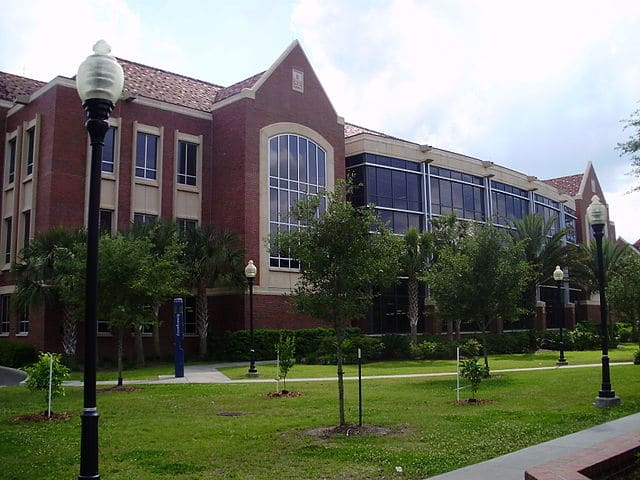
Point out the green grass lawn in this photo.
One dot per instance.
(496, 362)
(175, 431)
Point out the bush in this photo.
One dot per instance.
(636, 357)
(396, 347)
(584, 337)
(17, 354)
(471, 348)
(623, 332)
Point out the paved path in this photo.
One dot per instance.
(10, 376)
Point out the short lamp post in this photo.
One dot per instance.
(99, 82)
(250, 271)
(597, 217)
(558, 276)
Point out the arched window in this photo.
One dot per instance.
(297, 168)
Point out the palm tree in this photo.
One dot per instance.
(416, 253)
(543, 250)
(42, 273)
(210, 258)
(613, 252)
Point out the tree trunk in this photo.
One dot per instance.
(69, 335)
(203, 320)
(139, 347)
(450, 330)
(120, 353)
(412, 313)
(485, 352)
(156, 331)
(340, 340)
(458, 327)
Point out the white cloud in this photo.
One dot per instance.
(53, 38)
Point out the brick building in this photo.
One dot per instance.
(235, 157)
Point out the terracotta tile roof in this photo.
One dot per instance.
(168, 87)
(13, 85)
(569, 184)
(237, 87)
(351, 130)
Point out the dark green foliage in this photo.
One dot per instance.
(636, 357)
(17, 354)
(632, 145)
(286, 353)
(585, 336)
(396, 347)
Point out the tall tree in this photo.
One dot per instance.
(632, 145)
(167, 276)
(211, 258)
(543, 250)
(340, 264)
(415, 256)
(448, 232)
(623, 291)
(482, 282)
(42, 274)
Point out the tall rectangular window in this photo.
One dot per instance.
(23, 324)
(146, 156)
(31, 145)
(26, 228)
(7, 240)
(187, 163)
(109, 151)
(5, 314)
(11, 161)
(106, 221)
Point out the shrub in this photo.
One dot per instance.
(636, 357)
(471, 348)
(623, 332)
(584, 337)
(17, 354)
(474, 373)
(49, 366)
(396, 347)
(371, 349)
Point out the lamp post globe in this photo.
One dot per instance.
(250, 271)
(558, 276)
(99, 82)
(597, 217)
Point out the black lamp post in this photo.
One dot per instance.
(558, 276)
(99, 82)
(597, 216)
(250, 272)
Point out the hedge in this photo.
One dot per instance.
(17, 354)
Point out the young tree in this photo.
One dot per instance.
(632, 145)
(417, 250)
(211, 259)
(340, 264)
(44, 270)
(482, 282)
(286, 353)
(47, 375)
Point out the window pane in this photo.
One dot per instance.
(399, 189)
(273, 157)
(302, 159)
(313, 164)
(293, 157)
(283, 172)
(321, 168)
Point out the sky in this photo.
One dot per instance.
(542, 87)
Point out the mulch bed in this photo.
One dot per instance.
(285, 394)
(348, 431)
(477, 401)
(42, 417)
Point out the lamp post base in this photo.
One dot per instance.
(607, 402)
(253, 373)
(561, 362)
